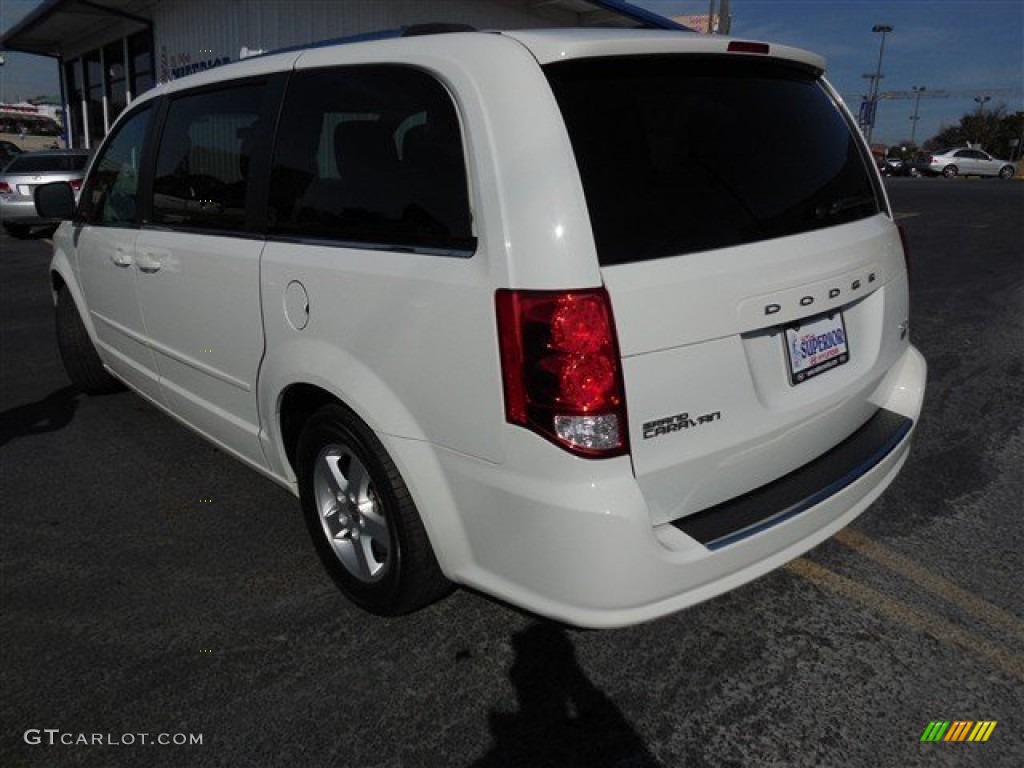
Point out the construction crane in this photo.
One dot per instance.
(980, 95)
(941, 93)
(944, 94)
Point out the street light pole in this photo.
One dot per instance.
(918, 90)
(884, 29)
(981, 103)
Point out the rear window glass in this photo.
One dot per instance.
(28, 163)
(682, 154)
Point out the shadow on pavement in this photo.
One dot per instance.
(53, 412)
(563, 719)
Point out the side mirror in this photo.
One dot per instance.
(55, 200)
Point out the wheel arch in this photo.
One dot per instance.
(332, 377)
(300, 376)
(297, 404)
(62, 278)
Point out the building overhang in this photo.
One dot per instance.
(54, 25)
(52, 28)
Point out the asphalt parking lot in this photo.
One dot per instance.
(151, 585)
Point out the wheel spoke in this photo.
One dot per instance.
(358, 480)
(364, 559)
(375, 527)
(334, 478)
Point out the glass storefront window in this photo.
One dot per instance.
(107, 76)
(94, 96)
(75, 133)
(117, 79)
(140, 51)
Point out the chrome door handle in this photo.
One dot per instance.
(148, 262)
(121, 257)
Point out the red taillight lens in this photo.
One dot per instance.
(561, 369)
(5, 188)
(743, 46)
(76, 185)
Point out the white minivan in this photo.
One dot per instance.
(600, 322)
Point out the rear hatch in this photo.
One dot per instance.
(753, 269)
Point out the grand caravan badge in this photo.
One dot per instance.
(680, 421)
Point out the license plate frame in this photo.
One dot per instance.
(815, 345)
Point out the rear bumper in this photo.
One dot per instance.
(725, 524)
(572, 539)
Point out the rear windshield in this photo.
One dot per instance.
(29, 163)
(681, 154)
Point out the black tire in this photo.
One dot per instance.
(20, 231)
(1006, 172)
(347, 539)
(950, 171)
(79, 356)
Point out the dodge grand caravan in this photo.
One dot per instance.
(603, 323)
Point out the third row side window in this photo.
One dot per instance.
(370, 154)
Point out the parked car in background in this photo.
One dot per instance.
(26, 172)
(964, 162)
(895, 166)
(8, 151)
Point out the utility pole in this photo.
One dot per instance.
(724, 22)
(918, 90)
(884, 29)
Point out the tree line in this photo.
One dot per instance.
(996, 130)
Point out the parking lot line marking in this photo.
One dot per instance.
(947, 590)
(922, 621)
(898, 216)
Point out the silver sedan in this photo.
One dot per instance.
(967, 162)
(26, 172)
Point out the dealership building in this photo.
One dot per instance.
(110, 51)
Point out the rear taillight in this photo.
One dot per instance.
(76, 185)
(561, 369)
(5, 188)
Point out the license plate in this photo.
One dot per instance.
(816, 346)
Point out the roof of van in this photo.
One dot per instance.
(546, 46)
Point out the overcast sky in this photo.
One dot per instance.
(967, 47)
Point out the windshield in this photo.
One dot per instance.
(680, 154)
